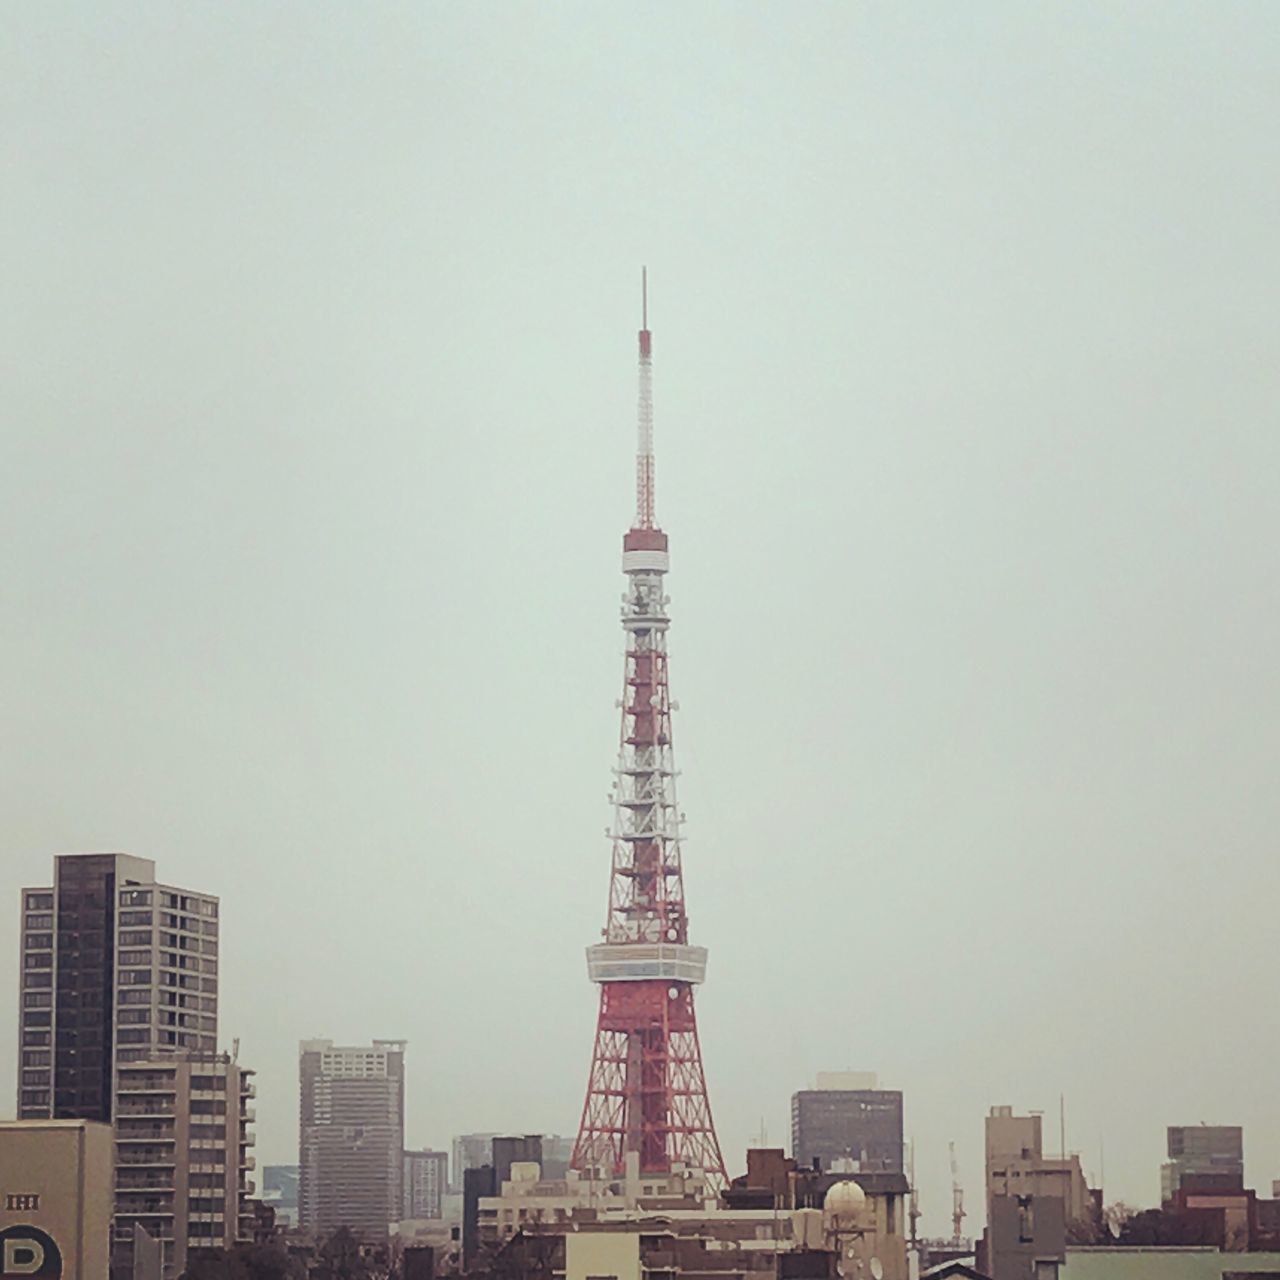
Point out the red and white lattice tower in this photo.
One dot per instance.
(647, 1092)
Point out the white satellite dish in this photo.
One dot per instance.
(877, 1269)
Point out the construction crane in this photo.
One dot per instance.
(957, 1196)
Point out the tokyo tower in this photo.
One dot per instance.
(647, 1092)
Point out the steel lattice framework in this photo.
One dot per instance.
(647, 1092)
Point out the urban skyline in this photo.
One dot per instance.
(310, 508)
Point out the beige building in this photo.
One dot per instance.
(55, 1199)
(183, 1154)
(1017, 1166)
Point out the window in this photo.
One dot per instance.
(128, 918)
(134, 1035)
(135, 897)
(208, 984)
(37, 1000)
(38, 1017)
(36, 1058)
(35, 1097)
(35, 1077)
(135, 938)
(39, 960)
(135, 977)
(42, 921)
(130, 958)
(39, 902)
(38, 978)
(39, 941)
(127, 1017)
(35, 1037)
(135, 997)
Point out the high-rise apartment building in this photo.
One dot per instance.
(115, 967)
(854, 1129)
(426, 1177)
(1209, 1155)
(183, 1154)
(351, 1136)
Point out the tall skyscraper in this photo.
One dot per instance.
(846, 1129)
(351, 1136)
(646, 1091)
(115, 967)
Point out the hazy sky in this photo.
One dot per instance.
(317, 405)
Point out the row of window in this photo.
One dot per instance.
(39, 941)
(39, 902)
(172, 959)
(178, 901)
(188, 924)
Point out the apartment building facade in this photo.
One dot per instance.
(115, 967)
(184, 1154)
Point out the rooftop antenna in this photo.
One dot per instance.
(644, 444)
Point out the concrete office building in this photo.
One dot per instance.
(847, 1125)
(1017, 1166)
(183, 1155)
(351, 1137)
(55, 1210)
(114, 967)
(426, 1177)
(1209, 1157)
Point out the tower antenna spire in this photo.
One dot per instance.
(644, 446)
(647, 1093)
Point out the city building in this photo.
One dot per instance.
(470, 1151)
(1209, 1157)
(426, 1178)
(183, 1155)
(1016, 1166)
(280, 1191)
(646, 1089)
(351, 1137)
(1025, 1239)
(55, 1206)
(557, 1155)
(785, 1224)
(847, 1125)
(114, 967)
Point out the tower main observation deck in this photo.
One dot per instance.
(647, 1092)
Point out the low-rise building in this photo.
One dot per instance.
(55, 1206)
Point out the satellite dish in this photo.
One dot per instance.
(877, 1269)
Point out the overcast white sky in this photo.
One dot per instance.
(317, 404)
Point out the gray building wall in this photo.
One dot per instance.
(863, 1126)
(351, 1137)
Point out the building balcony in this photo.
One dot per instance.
(152, 1107)
(248, 1162)
(248, 1089)
(144, 1133)
(131, 1082)
(249, 1115)
(129, 1156)
(159, 1181)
